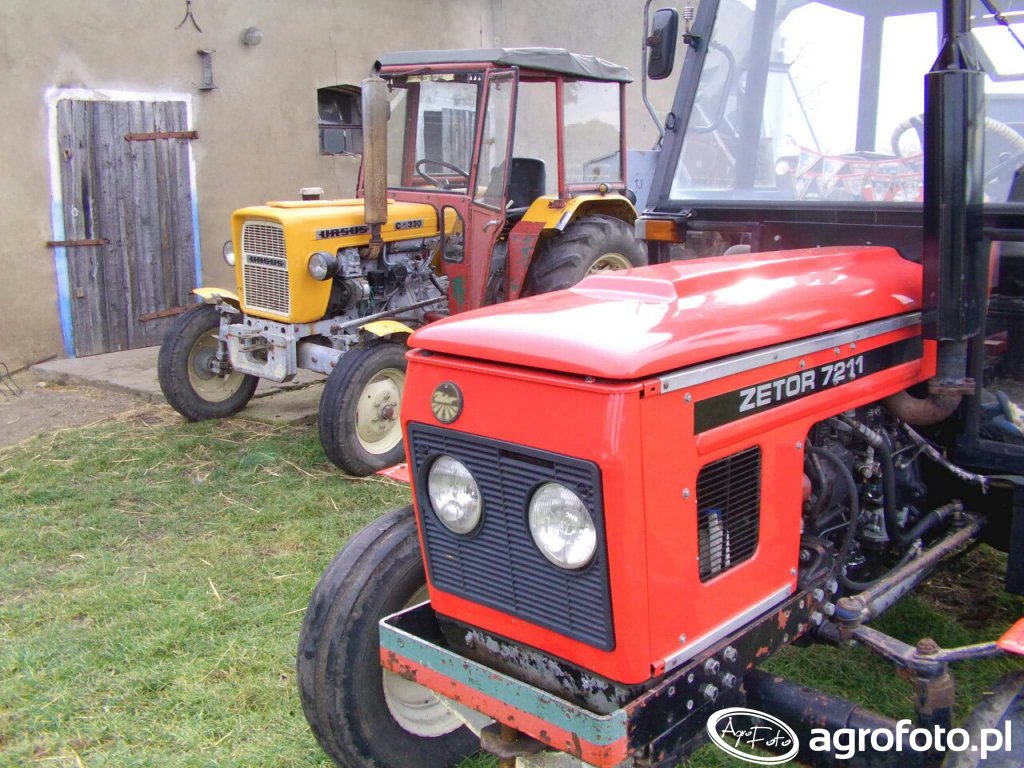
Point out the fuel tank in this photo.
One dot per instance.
(674, 401)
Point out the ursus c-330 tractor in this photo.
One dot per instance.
(502, 174)
(709, 459)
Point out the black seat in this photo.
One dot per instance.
(527, 181)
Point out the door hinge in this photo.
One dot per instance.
(150, 316)
(155, 135)
(77, 243)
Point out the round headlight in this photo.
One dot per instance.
(229, 252)
(454, 495)
(562, 527)
(323, 265)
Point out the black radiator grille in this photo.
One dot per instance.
(728, 511)
(498, 565)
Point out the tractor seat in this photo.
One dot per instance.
(526, 182)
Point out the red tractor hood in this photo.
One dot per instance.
(636, 324)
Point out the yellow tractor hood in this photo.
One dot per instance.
(329, 224)
(275, 242)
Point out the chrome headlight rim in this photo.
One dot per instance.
(470, 522)
(228, 252)
(322, 265)
(589, 528)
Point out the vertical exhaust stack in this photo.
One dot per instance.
(955, 266)
(375, 158)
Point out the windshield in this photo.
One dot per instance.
(431, 130)
(809, 101)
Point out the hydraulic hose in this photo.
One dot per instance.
(881, 446)
(930, 451)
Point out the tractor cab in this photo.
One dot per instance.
(505, 143)
(805, 124)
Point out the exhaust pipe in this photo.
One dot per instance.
(955, 270)
(375, 158)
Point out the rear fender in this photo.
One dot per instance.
(543, 219)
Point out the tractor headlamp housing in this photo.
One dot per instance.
(228, 251)
(561, 526)
(454, 495)
(323, 266)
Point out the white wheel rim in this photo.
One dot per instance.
(609, 262)
(211, 387)
(378, 427)
(415, 708)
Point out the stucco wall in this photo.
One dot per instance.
(257, 129)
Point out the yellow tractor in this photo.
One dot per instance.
(488, 175)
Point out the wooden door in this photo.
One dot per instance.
(127, 197)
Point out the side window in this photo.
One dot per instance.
(340, 120)
(592, 132)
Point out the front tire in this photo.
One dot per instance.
(590, 245)
(361, 714)
(359, 426)
(187, 379)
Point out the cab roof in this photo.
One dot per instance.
(554, 60)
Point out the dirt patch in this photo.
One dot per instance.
(45, 407)
(971, 589)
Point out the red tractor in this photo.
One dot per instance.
(709, 459)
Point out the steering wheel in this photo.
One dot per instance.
(993, 127)
(441, 183)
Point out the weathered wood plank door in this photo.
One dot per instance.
(137, 196)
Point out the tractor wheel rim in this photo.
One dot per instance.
(415, 708)
(609, 262)
(211, 387)
(378, 427)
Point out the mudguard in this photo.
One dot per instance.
(212, 295)
(385, 327)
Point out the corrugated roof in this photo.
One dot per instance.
(556, 60)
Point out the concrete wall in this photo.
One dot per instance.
(257, 129)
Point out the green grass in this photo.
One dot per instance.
(153, 576)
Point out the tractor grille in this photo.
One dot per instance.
(498, 565)
(728, 511)
(265, 268)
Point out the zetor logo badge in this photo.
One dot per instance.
(749, 733)
(446, 402)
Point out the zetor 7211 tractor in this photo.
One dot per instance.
(712, 458)
(502, 174)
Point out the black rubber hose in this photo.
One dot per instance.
(929, 521)
(851, 487)
(892, 523)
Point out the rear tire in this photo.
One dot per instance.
(589, 245)
(341, 681)
(359, 426)
(183, 368)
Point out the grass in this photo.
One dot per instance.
(153, 576)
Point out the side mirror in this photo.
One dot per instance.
(661, 43)
(375, 150)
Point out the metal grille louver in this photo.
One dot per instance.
(265, 268)
(728, 511)
(498, 565)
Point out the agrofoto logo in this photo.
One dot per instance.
(749, 733)
(760, 738)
